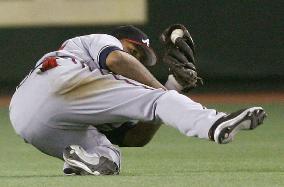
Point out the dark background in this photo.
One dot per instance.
(239, 43)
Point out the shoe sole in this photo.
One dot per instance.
(248, 119)
(71, 171)
(73, 156)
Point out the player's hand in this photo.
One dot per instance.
(182, 69)
(180, 56)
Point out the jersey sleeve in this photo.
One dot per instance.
(101, 46)
(92, 49)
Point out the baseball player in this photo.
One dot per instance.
(95, 92)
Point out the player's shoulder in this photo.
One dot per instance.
(98, 37)
(98, 40)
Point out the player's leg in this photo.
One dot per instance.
(84, 150)
(206, 123)
(113, 98)
(89, 153)
(222, 131)
(47, 125)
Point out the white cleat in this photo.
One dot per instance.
(79, 162)
(224, 129)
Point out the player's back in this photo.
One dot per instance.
(90, 50)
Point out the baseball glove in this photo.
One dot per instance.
(180, 57)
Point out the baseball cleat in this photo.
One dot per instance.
(82, 163)
(225, 128)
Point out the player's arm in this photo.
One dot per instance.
(126, 65)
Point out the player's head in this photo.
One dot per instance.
(136, 42)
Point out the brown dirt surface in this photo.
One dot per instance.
(211, 98)
(239, 98)
(4, 101)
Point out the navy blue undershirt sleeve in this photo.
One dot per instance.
(103, 56)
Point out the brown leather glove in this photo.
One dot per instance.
(180, 57)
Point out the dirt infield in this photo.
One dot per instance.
(239, 98)
(4, 101)
(212, 98)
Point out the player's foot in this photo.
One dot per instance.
(82, 163)
(225, 128)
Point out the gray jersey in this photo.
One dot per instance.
(90, 49)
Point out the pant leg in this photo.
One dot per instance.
(189, 117)
(53, 141)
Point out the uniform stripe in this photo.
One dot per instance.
(103, 55)
(132, 83)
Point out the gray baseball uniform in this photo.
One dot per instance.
(68, 103)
